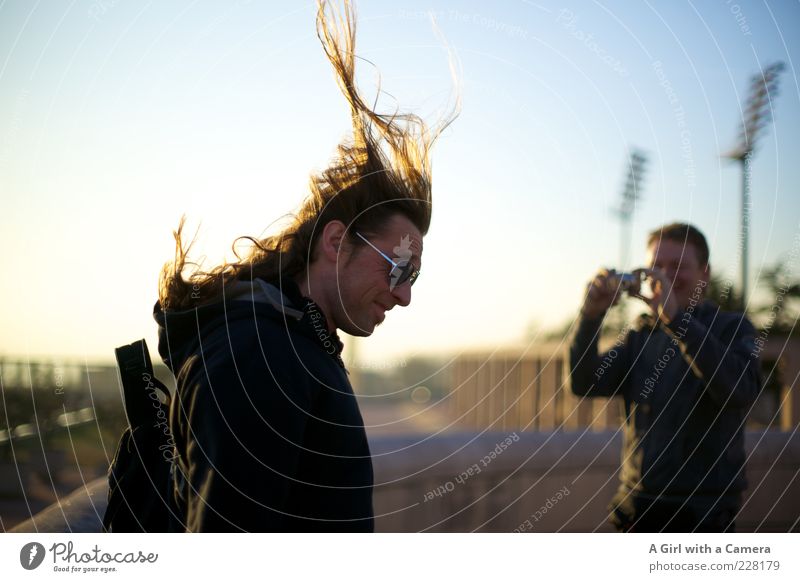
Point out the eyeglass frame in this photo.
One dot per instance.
(412, 277)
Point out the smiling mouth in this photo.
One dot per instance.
(383, 311)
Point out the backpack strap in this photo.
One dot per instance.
(139, 385)
(140, 476)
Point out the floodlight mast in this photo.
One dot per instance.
(755, 118)
(631, 194)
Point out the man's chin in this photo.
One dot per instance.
(357, 331)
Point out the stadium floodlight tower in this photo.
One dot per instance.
(631, 194)
(755, 117)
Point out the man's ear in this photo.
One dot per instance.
(331, 245)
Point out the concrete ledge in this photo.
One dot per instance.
(480, 482)
(80, 512)
(558, 481)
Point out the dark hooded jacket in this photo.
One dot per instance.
(687, 388)
(267, 430)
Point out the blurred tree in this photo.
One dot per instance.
(722, 292)
(780, 314)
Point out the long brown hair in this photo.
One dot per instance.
(383, 170)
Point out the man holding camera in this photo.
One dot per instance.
(688, 373)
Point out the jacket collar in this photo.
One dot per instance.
(284, 296)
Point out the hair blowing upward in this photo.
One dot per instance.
(384, 169)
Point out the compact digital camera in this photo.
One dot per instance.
(631, 280)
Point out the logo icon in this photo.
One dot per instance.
(402, 255)
(31, 555)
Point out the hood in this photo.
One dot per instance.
(281, 301)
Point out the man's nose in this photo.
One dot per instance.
(402, 294)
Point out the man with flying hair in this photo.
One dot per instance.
(268, 433)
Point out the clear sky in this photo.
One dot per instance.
(116, 117)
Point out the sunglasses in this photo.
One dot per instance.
(402, 272)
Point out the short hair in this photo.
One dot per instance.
(683, 233)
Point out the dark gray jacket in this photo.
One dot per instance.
(687, 389)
